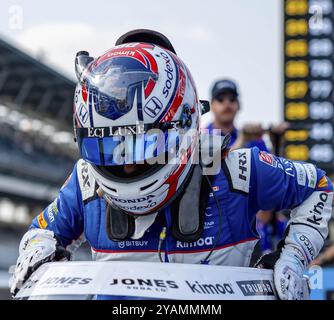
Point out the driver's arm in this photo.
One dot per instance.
(64, 216)
(278, 184)
(51, 232)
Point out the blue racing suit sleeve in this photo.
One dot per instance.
(64, 216)
(257, 143)
(284, 184)
(303, 188)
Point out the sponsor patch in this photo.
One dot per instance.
(153, 107)
(238, 163)
(145, 284)
(267, 158)
(41, 221)
(201, 242)
(301, 174)
(314, 211)
(52, 211)
(55, 282)
(83, 113)
(132, 243)
(256, 288)
(209, 225)
(311, 174)
(210, 289)
(288, 167)
(285, 165)
(306, 244)
(323, 183)
(86, 181)
(318, 209)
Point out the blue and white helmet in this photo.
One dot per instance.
(136, 104)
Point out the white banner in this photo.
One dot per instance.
(150, 280)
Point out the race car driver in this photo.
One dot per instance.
(131, 208)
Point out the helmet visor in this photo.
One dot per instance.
(131, 144)
(115, 87)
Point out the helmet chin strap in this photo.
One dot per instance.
(119, 225)
(186, 225)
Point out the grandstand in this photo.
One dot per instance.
(36, 143)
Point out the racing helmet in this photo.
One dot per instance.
(134, 107)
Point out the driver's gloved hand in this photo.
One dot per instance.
(37, 246)
(289, 264)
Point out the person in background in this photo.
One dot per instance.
(225, 105)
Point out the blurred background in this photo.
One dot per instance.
(279, 52)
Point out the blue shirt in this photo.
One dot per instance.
(254, 143)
